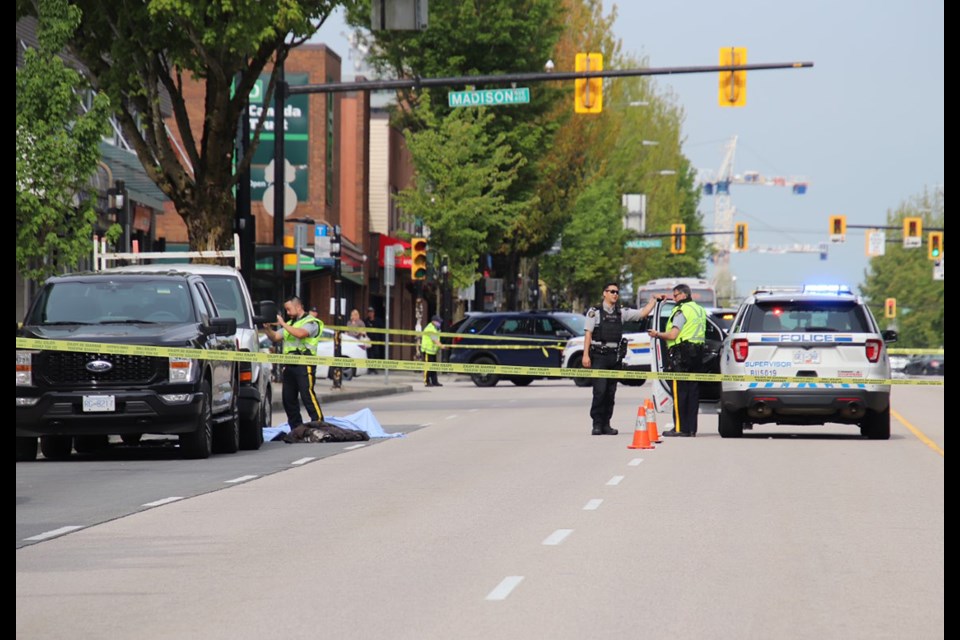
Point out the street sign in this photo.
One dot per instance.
(644, 243)
(876, 242)
(938, 269)
(489, 97)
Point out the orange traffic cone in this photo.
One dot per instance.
(652, 421)
(641, 439)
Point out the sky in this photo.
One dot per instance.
(864, 125)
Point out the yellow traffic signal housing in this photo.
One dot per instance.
(838, 225)
(588, 92)
(678, 239)
(418, 258)
(935, 245)
(740, 236)
(912, 228)
(890, 308)
(733, 84)
(290, 259)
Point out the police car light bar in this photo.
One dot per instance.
(826, 288)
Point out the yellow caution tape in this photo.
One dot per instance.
(441, 367)
(900, 351)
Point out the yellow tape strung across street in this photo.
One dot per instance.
(441, 367)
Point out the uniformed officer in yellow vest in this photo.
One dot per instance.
(430, 348)
(687, 330)
(300, 336)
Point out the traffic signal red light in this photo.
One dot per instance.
(418, 258)
(890, 308)
(912, 227)
(838, 225)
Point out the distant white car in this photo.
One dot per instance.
(350, 347)
(639, 355)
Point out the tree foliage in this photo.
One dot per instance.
(57, 150)
(464, 175)
(139, 52)
(906, 274)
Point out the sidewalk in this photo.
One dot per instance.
(368, 386)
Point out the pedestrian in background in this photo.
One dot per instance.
(685, 336)
(300, 334)
(601, 350)
(357, 326)
(430, 348)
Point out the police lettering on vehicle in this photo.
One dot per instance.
(805, 337)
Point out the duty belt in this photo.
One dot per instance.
(603, 348)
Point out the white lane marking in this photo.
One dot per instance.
(240, 479)
(452, 417)
(557, 537)
(157, 503)
(614, 481)
(502, 590)
(426, 424)
(354, 446)
(635, 462)
(303, 460)
(472, 410)
(593, 504)
(53, 533)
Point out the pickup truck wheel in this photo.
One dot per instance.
(26, 449)
(199, 443)
(56, 447)
(731, 423)
(576, 362)
(521, 382)
(485, 379)
(91, 444)
(251, 433)
(876, 425)
(226, 435)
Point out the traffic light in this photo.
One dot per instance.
(418, 258)
(838, 226)
(890, 308)
(912, 228)
(740, 236)
(678, 239)
(289, 259)
(588, 92)
(935, 245)
(733, 84)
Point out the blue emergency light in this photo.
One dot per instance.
(835, 289)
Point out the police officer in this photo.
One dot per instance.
(604, 330)
(300, 336)
(687, 329)
(430, 347)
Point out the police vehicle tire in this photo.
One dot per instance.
(876, 425)
(731, 424)
(226, 434)
(521, 381)
(485, 379)
(348, 373)
(251, 434)
(576, 362)
(199, 443)
(56, 447)
(26, 449)
(91, 444)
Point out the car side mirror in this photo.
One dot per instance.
(221, 326)
(889, 336)
(268, 313)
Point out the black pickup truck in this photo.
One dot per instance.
(77, 399)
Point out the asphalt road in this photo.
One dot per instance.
(499, 516)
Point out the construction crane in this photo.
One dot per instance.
(718, 185)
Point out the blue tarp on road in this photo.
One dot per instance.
(362, 420)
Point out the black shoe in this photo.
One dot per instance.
(609, 431)
(437, 384)
(678, 434)
(597, 431)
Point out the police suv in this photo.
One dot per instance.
(810, 331)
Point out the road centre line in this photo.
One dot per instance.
(502, 590)
(426, 424)
(46, 535)
(303, 460)
(593, 504)
(614, 481)
(557, 537)
(162, 501)
(452, 417)
(354, 446)
(919, 434)
(635, 462)
(240, 479)
(472, 410)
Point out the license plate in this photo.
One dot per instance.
(806, 357)
(99, 403)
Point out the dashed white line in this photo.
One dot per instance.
(354, 446)
(593, 504)
(303, 460)
(426, 424)
(240, 479)
(635, 462)
(452, 417)
(157, 503)
(615, 480)
(472, 410)
(502, 590)
(557, 537)
(53, 533)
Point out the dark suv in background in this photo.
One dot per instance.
(534, 338)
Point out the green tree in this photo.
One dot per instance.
(57, 150)
(463, 176)
(906, 274)
(140, 52)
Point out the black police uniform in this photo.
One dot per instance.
(604, 354)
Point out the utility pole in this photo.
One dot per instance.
(279, 159)
(335, 249)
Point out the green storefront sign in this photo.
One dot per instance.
(296, 122)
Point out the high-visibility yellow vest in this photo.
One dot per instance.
(695, 328)
(292, 344)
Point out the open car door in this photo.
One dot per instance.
(663, 389)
